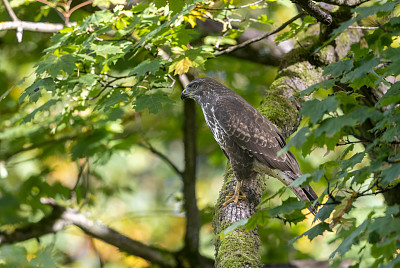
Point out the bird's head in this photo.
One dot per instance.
(201, 87)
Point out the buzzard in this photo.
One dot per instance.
(247, 138)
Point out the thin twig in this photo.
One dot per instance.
(163, 157)
(79, 6)
(81, 169)
(347, 3)
(10, 10)
(47, 3)
(314, 10)
(250, 41)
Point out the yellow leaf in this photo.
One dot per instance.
(181, 66)
(191, 20)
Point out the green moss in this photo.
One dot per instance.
(235, 251)
(277, 109)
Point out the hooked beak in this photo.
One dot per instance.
(184, 94)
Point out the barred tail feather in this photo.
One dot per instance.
(306, 194)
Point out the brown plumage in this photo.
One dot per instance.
(248, 139)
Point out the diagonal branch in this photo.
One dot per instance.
(250, 41)
(314, 10)
(10, 10)
(347, 3)
(62, 217)
(163, 157)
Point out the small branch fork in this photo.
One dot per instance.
(63, 9)
(250, 41)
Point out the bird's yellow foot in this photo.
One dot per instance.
(235, 196)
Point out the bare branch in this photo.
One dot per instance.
(314, 10)
(149, 147)
(250, 41)
(68, 12)
(100, 231)
(32, 26)
(62, 217)
(79, 6)
(10, 11)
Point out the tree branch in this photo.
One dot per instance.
(149, 147)
(10, 10)
(347, 3)
(79, 6)
(62, 217)
(32, 26)
(311, 8)
(49, 224)
(250, 41)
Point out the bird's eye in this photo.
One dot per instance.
(194, 86)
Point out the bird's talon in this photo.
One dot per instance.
(235, 196)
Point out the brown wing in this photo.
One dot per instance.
(254, 132)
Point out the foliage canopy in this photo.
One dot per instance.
(115, 65)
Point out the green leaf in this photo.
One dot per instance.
(263, 19)
(288, 206)
(88, 79)
(14, 256)
(153, 102)
(390, 174)
(33, 91)
(54, 65)
(96, 19)
(147, 66)
(44, 258)
(350, 240)
(315, 231)
(326, 210)
(149, 36)
(232, 227)
(260, 218)
(392, 96)
(176, 5)
(365, 67)
(104, 49)
(327, 84)
(338, 68)
(90, 144)
(110, 100)
(44, 107)
(352, 161)
(305, 179)
(316, 109)
(333, 125)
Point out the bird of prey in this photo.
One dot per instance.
(247, 138)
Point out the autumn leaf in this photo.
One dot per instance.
(182, 66)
